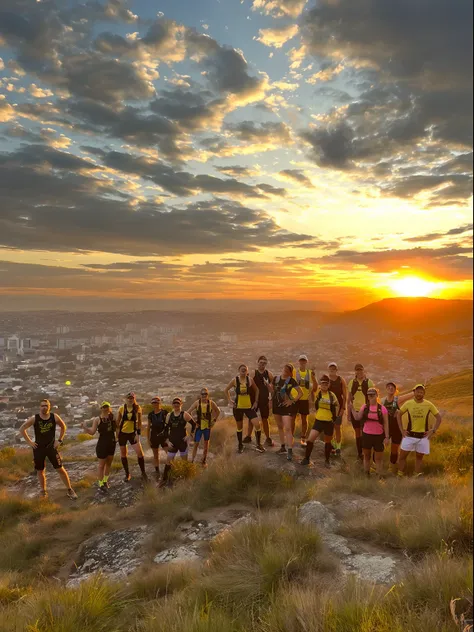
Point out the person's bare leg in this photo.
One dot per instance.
(293, 425)
(367, 456)
(195, 449)
(288, 423)
(266, 427)
(418, 462)
(101, 469)
(205, 451)
(402, 460)
(281, 433)
(304, 426)
(140, 456)
(64, 477)
(156, 457)
(41, 474)
(108, 465)
(379, 463)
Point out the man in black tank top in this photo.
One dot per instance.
(176, 422)
(45, 445)
(262, 378)
(338, 386)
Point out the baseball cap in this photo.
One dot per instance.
(105, 405)
(332, 364)
(324, 378)
(358, 366)
(156, 399)
(303, 357)
(177, 400)
(131, 394)
(391, 384)
(372, 391)
(420, 386)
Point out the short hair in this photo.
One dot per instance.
(45, 400)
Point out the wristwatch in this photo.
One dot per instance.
(60, 441)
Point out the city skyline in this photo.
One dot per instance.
(227, 150)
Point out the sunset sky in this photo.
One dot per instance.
(234, 149)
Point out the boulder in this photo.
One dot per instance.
(316, 514)
(177, 555)
(377, 569)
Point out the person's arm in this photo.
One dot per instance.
(227, 389)
(148, 428)
(314, 381)
(23, 429)
(216, 410)
(193, 407)
(344, 396)
(350, 397)
(431, 432)
(357, 415)
(139, 421)
(93, 429)
(290, 402)
(400, 414)
(191, 422)
(256, 391)
(385, 428)
(404, 398)
(119, 421)
(62, 430)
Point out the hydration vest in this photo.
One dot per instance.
(125, 418)
(303, 382)
(367, 411)
(364, 388)
(107, 426)
(332, 399)
(204, 415)
(249, 389)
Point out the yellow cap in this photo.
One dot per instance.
(420, 386)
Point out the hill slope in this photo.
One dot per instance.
(453, 392)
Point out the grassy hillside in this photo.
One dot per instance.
(453, 393)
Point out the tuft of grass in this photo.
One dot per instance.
(183, 470)
(14, 508)
(84, 436)
(14, 464)
(153, 582)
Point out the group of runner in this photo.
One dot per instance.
(294, 392)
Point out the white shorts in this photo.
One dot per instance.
(410, 444)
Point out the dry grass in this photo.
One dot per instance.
(14, 464)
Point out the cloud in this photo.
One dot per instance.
(7, 113)
(296, 175)
(459, 230)
(39, 93)
(332, 147)
(278, 36)
(279, 8)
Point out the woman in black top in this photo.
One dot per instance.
(178, 438)
(284, 407)
(106, 426)
(157, 431)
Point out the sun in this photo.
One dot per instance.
(412, 286)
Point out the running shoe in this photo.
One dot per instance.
(260, 448)
(204, 463)
(282, 450)
(337, 453)
(71, 494)
(419, 475)
(305, 461)
(240, 449)
(127, 478)
(102, 488)
(106, 485)
(269, 442)
(303, 442)
(400, 474)
(289, 456)
(247, 440)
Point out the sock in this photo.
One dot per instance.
(401, 473)
(393, 458)
(327, 451)
(157, 468)
(258, 436)
(333, 443)
(141, 463)
(166, 472)
(359, 445)
(101, 482)
(338, 445)
(239, 437)
(309, 449)
(125, 465)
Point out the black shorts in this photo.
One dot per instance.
(302, 407)
(106, 448)
(355, 424)
(127, 437)
(239, 413)
(158, 441)
(264, 409)
(284, 411)
(177, 445)
(326, 427)
(375, 442)
(41, 453)
(394, 431)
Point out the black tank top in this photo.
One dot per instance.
(45, 430)
(106, 428)
(157, 421)
(336, 388)
(259, 379)
(177, 425)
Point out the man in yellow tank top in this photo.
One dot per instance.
(308, 383)
(245, 404)
(129, 424)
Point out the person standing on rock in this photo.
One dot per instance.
(326, 406)
(106, 426)
(417, 435)
(284, 407)
(176, 422)
(129, 423)
(392, 402)
(157, 432)
(46, 445)
(245, 404)
(306, 380)
(357, 397)
(262, 378)
(373, 418)
(207, 413)
(338, 386)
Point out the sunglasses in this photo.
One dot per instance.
(372, 394)
(204, 394)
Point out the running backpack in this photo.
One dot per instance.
(332, 399)
(391, 407)
(237, 388)
(125, 417)
(364, 387)
(306, 379)
(365, 415)
(207, 415)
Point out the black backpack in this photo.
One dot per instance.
(365, 415)
(333, 401)
(364, 387)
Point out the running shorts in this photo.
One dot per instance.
(178, 445)
(158, 441)
(127, 437)
(412, 444)
(239, 413)
(104, 449)
(264, 409)
(326, 427)
(373, 441)
(302, 407)
(284, 411)
(204, 433)
(394, 431)
(42, 452)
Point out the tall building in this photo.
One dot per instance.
(62, 329)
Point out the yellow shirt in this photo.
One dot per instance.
(359, 397)
(301, 377)
(204, 419)
(324, 412)
(243, 400)
(128, 425)
(418, 414)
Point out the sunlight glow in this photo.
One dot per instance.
(413, 286)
